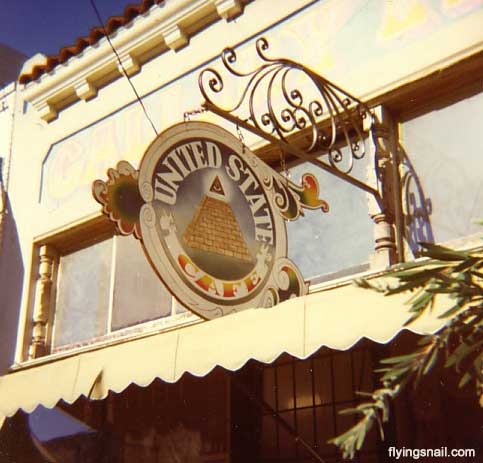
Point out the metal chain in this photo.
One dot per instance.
(241, 138)
(194, 112)
(283, 167)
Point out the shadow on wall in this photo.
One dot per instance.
(416, 207)
(11, 280)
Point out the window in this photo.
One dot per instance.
(180, 422)
(308, 394)
(442, 181)
(328, 246)
(83, 293)
(99, 290)
(105, 288)
(274, 405)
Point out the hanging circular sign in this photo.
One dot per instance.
(208, 224)
(211, 218)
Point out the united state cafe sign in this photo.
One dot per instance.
(210, 216)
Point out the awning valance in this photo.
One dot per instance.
(336, 318)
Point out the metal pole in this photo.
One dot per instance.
(291, 149)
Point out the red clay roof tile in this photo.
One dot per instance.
(96, 33)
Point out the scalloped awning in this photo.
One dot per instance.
(336, 318)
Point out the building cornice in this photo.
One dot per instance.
(164, 28)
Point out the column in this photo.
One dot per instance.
(386, 212)
(42, 303)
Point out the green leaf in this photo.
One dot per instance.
(474, 371)
(415, 296)
(362, 283)
(349, 411)
(431, 361)
(360, 439)
(395, 374)
(453, 310)
(413, 318)
(465, 379)
(441, 252)
(404, 287)
(426, 340)
(440, 290)
(465, 265)
(422, 302)
(410, 265)
(381, 370)
(399, 358)
(419, 273)
(456, 274)
(477, 274)
(462, 351)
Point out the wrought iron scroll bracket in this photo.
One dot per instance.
(273, 106)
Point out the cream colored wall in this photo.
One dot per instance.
(315, 33)
(11, 265)
(7, 104)
(34, 137)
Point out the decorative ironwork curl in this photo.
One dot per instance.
(330, 115)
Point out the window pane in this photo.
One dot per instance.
(343, 377)
(285, 387)
(83, 294)
(269, 437)
(286, 441)
(362, 370)
(269, 386)
(305, 425)
(139, 294)
(303, 383)
(443, 193)
(325, 429)
(323, 382)
(310, 241)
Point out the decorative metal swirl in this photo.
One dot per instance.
(330, 116)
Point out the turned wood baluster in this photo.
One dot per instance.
(43, 292)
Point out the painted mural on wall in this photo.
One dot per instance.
(211, 218)
(381, 28)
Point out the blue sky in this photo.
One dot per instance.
(32, 26)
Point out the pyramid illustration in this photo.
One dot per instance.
(214, 227)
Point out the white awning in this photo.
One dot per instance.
(336, 318)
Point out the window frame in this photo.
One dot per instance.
(421, 104)
(65, 241)
(334, 404)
